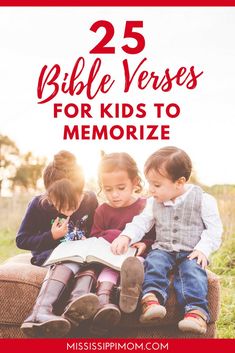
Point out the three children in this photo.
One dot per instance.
(187, 226)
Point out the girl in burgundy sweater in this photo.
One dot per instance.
(118, 179)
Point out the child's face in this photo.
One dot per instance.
(118, 188)
(162, 188)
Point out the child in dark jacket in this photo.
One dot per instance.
(64, 211)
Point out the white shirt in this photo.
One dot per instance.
(210, 237)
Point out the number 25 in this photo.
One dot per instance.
(101, 47)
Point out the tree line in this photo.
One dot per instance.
(18, 170)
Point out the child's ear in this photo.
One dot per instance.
(135, 183)
(180, 182)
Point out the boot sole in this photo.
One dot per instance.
(132, 277)
(82, 308)
(105, 319)
(56, 328)
(191, 327)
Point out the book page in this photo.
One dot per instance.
(100, 251)
(70, 250)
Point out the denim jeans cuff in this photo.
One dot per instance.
(194, 307)
(158, 292)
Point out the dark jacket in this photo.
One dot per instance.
(35, 230)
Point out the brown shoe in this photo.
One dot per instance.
(193, 321)
(132, 277)
(82, 304)
(151, 309)
(42, 322)
(108, 314)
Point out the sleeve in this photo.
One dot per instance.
(29, 236)
(140, 224)
(98, 227)
(211, 236)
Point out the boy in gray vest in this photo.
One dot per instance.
(188, 230)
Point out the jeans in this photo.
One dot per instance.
(190, 280)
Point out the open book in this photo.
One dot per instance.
(89, 250)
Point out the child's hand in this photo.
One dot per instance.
(201, 258)
(120, 245)
(58, 229)
(140, 246)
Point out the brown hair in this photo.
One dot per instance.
(64, 165)
(174, 161)
(119, 161)
(62, 194)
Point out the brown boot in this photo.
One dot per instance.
(82, 304)
(132, 276)
(193, 321)
(42, 322)
(151, 309)
(109, 314)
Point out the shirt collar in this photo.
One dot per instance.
(181, 198)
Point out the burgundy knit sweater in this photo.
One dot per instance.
(109, 221)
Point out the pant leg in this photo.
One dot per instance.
(73, 266)
(191, 285)
(108, 275)
(157, 265)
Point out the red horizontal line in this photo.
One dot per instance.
(204, 3)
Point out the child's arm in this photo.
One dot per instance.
(135, 230)
(29, 236)
(211, 236)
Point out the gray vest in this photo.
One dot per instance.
(179, 227)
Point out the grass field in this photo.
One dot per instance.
(222, 262)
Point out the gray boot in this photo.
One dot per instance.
(82, 304)
(42, 322)
(108, 314)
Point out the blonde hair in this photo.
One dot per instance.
(64, 166)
